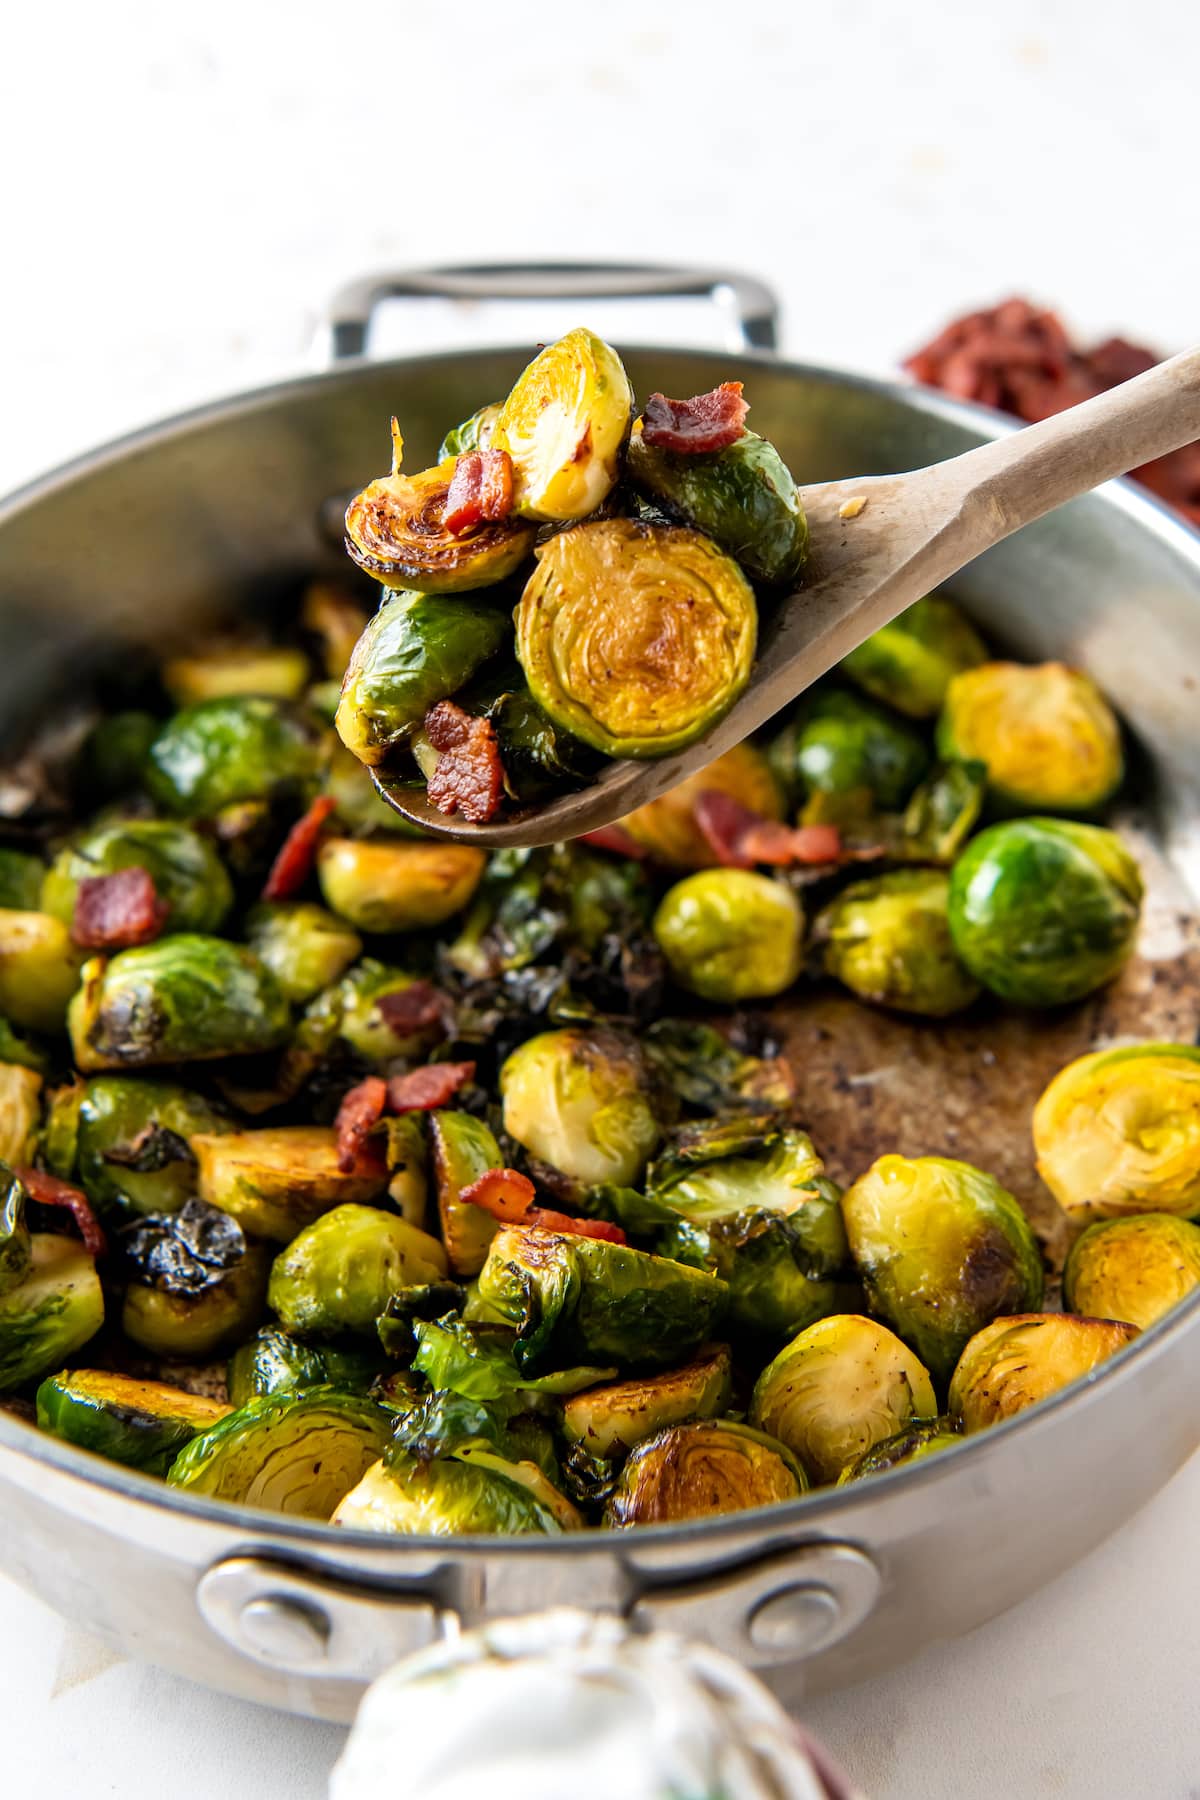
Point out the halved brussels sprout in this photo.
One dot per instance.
(112, 758)
(20, 1112)
(221, 752)
(1119, 1132)
(1134, 1269)
(608, 1421)
(844, 1384)
(743, 497)
(564, 425)
(277, 1180)
(386, 886)
(418, 649)
(536, 755)
(39, 969)
(731, 934)
(701, 1470)
(16, 1239)
(445, 1497)
(910, 662)
(232, 666)
(356, 1010)
(925, 1437)
(336, 1276)
(1047, 734)
(185, 868)
(21, 877)
(50, 1313)
(463, 1150)
(475, 433)
(196, 1286)
(705, 1070)
(576, 1299)
(753, 1207)
(274, 1363)
(1015, 1363)
(305, 947)
(1044, 911)
(395, 531)
(144, 1424)
(293, 1453)
(636, 638)
(838, 744)
(943, 1250)
(479, 1361)
(183, 999)
(667, 827)
(406, 1157)
(888, 940)
(132, 1150)
(582, 1101)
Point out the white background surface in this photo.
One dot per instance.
(183, 186)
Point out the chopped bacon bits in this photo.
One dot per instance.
(469, 777)
(361, 1110)
(481, 489)
(616, 839)
(415, 1008)
(710, 421)
(293, 865)
(427, 1088)
(739, 838)
(113, 912)
(48, 1190)
(509, 1196)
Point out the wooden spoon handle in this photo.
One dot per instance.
(1007, 483)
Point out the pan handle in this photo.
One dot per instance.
(751, 303)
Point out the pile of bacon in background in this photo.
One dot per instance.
(1019, 358)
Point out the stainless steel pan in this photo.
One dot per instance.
(134, 541)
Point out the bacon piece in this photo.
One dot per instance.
(542, 1218)
(298, 852)
(709, 421)
(469, 778)
(424, 1089)
(508, 1196)
(414, 1008)
(616, 839)
(361, 1110)
(740, 838)
(115, 911)
(481, 488)
(48, 1190)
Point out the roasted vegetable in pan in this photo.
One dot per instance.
(131, 1141)
(1119, 1132)
(582, 1101)
(1046, 733)
(693, 1471)
(272, 1362)
(608, 1421)
(446, 1497)
(1014, 1363)
(20, 1112)
(194, 1285)
(225, 751)
(564, 425)
(839, 744)
(39, 969)
(463, 1150)
(336, 1276)
(293, 1453)
(389, 885)
(52, 1310)
(667, 829)
(188, 875)
(924, 1438)
(731, 934)
(888, 940)
(910, 663)
(305, 947)
(184, 999)
(1044, 911)
(742, 496)
(144, 1424)
(224, 667)
(1134, 1269)
(277, 1180)
(21, 877)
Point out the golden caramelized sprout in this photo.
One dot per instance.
(1014, 1363)
(564, 425)
(1119, 1132)
(1135, 1269)
(667, 827)
(1048, 736)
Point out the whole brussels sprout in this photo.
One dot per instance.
(1015, 1363)
(578, 1299)
(223, 751)
(943, 1250)
(294, 1453)
(910, 662)
(185, 868)
(1134, 1269)
(231, 666)
(839, 744)
(356, 1010)
(305, 947)
(843, 1385)
(607, 1421)
(925, 1437)
(20, 1112)
(636, 639)
(396, 532)
(39, 969)
(271, 1362)
(1044, 911)
(582, 1100)
(279, 1179)
(388, 886)
(564, 425)
(182, 999)
(700, 1470)
(1119, 1132)
(743, 497)
(143, 1424)
(445, 1497)
(731, 934)
(195, 1285)
(50, 1313)
(133, 1142)
(21, 877)
(1048, 736)
(475, 433)
(418, 649)
(336, 1276)
(888, 940)
(667, 827)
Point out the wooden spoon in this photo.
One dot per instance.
(877, 544)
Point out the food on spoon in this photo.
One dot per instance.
(564, 425)
(1046, 734)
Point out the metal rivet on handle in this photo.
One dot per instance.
(796, 1621)
(284, 1632)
